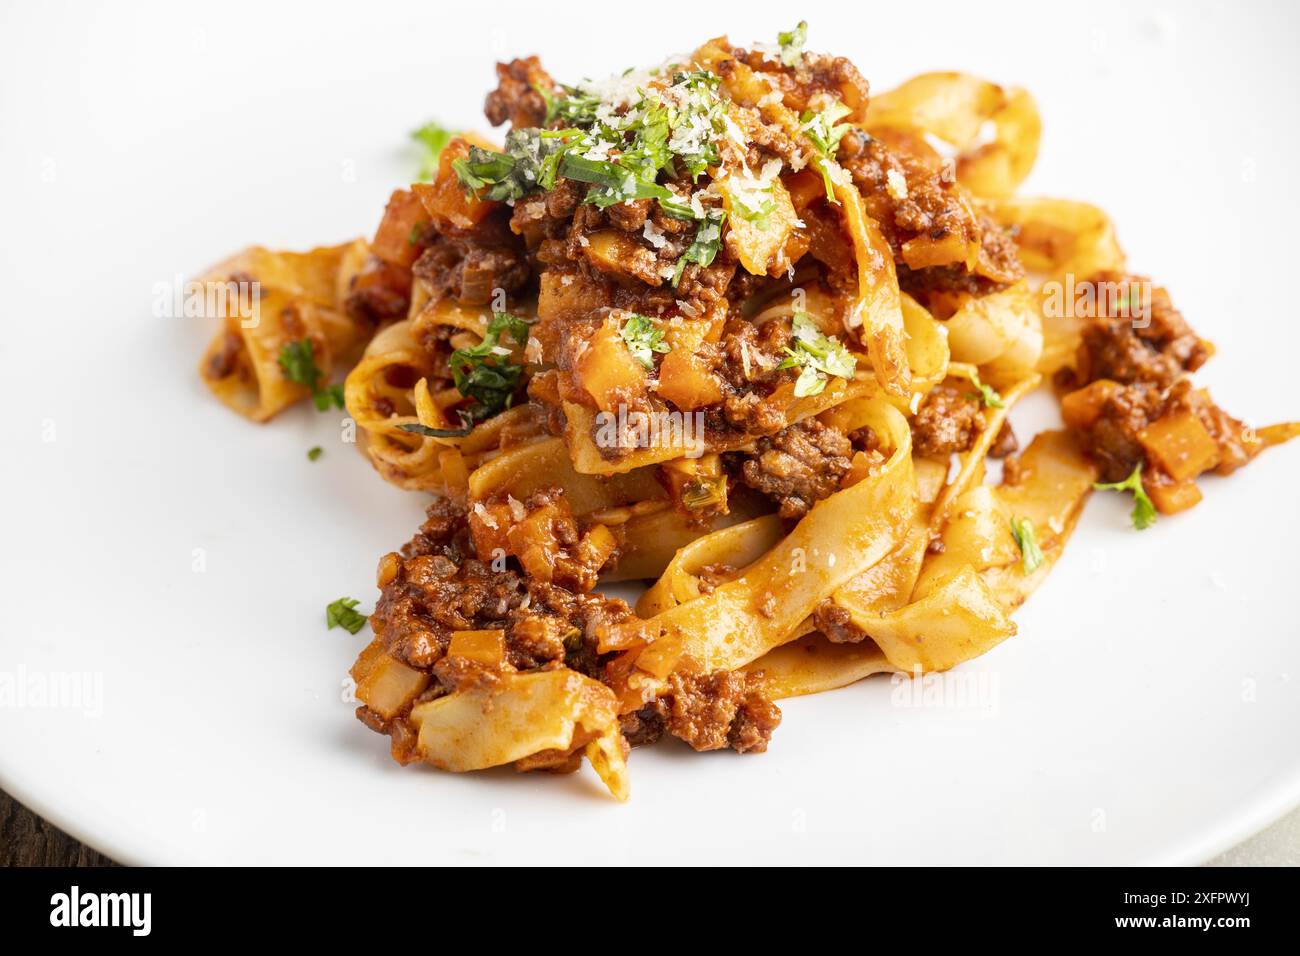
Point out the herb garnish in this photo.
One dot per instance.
(298, 363)
(643, 338)
(620, 154)
(791, 43)
(340, 613)
(985, 394)
(825, 131)
(1031, 554)
(432, 138)
(1144, 511)
(705, 245)
(485, 373)
(817, 357)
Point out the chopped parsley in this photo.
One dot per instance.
(331, 397)
(298, 364)
(485, 373)
(791, 43)
(643, 338)
(817, 357)
(619, 150)
(1031, 554)
(825, 131)
(612, 183)
(701, 493)
(705, 245)
(986, 395)
(752, 199)
(529, 162)
(1144, 511)
(432, 139)
(314, 453)
(340, 613)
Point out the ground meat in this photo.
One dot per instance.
(1005, 443)
(1112, 439)
(948, 421)
(835, 622)
(999, 260)
(379, 293)
(437, 586)
(722, 709)
(224, 361)
(814, 76)
(432, 596)
(645, 726)
(753, 353)
(1126, 349)
(516, 97)
(630, 216)
(710, 576)
(752, 414)
(931, 206)
(799, 466)
(471, 265)
(542, 533)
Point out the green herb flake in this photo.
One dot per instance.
(986, 395)
(1144, 511)
(331, 397)
(340, 613)
(619, 152)
(314, 453)
(817, 356)
(298, 364)
(791, 43)
(432, 139)
(1031, 554)
(701, 493)
(704, 247)
(825, 131)
(485, 373)
(643, 338)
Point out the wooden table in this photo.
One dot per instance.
(27, 840)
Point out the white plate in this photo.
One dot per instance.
(1147, 711)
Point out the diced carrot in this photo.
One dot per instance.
(1082, 408)
(1173, 497)
(446, 199)
(489, 525)
(390, 686)
(1180, 445)
(687, 382)
(402, 217)
(610, 250)
(486, 647)
(596, 546)
(607, 371)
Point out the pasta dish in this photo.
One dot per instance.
(733, 328)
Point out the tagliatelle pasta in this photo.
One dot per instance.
(734, 329)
